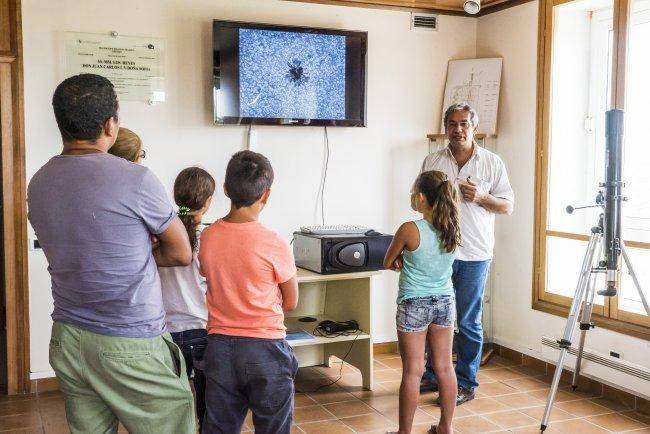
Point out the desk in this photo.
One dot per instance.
(336, 297)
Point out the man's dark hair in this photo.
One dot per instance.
(82, 105)
(248, 176)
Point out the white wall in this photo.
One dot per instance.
(512, 34)
(370, 169)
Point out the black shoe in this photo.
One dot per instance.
(463, 396)
(427, 386)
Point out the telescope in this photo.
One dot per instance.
(606, 239)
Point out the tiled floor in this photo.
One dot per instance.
(511, 398)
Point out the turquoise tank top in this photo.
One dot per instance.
(426, 271)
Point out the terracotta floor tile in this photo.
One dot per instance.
(381, 357)
(501, 374)
(557, 414)
(612, 405)
(394, 363)
(511, 419)
(578, 426)
(33, 430)
(526, 384)
(419, 417)
(328, 427)
(582, 408)
(330, 394)
(434, 411)
(10, 408)
(616, 422)
(349, 380)
(387, 375)
(313, 413)
(560, 396)
(641, 417)
(348, 408)
(535, 430)
(474, 425)
(20, 421)
(495, 389)
(484, 377)
(303, 400)
(520, 400)
(485, 405)
(381, 403)
(391, 386)
(369, 422)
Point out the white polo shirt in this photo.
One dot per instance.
(476, 223)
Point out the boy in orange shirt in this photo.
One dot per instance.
(251, 277)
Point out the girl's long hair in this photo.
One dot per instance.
(442, 196)
(192, 189)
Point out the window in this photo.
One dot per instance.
(581, 76)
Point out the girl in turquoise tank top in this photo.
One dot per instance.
(423, 252)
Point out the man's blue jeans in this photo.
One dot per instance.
(469, 279)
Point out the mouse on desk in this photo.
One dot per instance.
(371, 233)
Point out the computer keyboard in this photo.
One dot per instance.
(334, 229)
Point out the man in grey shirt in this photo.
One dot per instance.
(94, 215)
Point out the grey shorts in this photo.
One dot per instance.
(416, 314)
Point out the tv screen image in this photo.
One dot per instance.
(283, 75)
(291, 75)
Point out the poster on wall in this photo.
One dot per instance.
(135, 65)
(477, 83)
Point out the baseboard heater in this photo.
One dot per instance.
(606, 369)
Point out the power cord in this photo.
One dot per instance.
(318, 331)
(321, 188)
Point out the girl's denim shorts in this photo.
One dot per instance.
(416, 314)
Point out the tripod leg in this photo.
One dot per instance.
(585, 325)
(565, 343)
(630, 269)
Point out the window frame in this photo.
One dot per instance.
(608, 316)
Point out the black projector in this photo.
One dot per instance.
(340, 253)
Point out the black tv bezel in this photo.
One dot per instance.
(237, 120)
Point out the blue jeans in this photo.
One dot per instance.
(192, 344)
(469, 279)
(248, 373)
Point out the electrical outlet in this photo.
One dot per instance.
(616, 354)
(34, 244)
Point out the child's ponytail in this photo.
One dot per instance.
(192, 189)
(442, 196)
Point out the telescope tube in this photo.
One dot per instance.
(613, 197)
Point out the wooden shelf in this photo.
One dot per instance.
(305, 276)
(294, 324)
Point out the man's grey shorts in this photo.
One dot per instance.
(416, 314)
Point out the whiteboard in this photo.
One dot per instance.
(476, 82)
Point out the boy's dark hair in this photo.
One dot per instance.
(248, 176)
(192, 189)
(82, 105)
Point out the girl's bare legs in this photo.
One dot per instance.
(440, 342)
(411, 347)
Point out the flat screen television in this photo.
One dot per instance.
(267, 74)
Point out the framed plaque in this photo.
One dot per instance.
(135, 65)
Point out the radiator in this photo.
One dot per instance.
(620, 374)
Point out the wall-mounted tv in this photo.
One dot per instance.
(267, 74)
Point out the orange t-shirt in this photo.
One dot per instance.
(243, 264)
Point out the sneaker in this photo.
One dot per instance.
(427, 386)
(463, 396)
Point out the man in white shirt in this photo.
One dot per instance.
(485, 191)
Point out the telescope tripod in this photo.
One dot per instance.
(583, 300)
